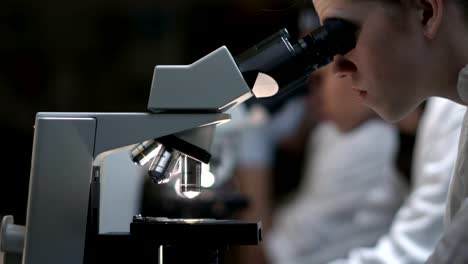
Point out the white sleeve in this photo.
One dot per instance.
(452, 247)
(418, 224)
(328, 218)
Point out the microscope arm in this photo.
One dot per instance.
(63, 151)
(115, 130)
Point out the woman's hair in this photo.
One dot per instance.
(463, 4)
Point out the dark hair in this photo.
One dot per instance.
(464, 5)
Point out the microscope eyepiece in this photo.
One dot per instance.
(289, 62)
(335, 37)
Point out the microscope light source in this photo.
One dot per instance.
(207, 179)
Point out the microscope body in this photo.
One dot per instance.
(70, 147)
(65, 150)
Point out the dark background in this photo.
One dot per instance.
(99, 55)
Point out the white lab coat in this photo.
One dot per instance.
(418, 224)
(348, 196)
(453, 246)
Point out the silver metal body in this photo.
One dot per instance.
(65, 146)
(68, 145)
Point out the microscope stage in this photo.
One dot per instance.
(167, 231)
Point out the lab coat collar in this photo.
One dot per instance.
(462, 85)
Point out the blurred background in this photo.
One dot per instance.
(99, 55)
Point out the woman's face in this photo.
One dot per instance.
(387, 66)
(334, 100)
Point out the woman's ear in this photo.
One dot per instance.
(430, 15)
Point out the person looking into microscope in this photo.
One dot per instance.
(346, 198)
(317, 223)
(406, 52)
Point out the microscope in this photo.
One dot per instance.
(86, 167)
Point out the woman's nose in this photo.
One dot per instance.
(342, 67)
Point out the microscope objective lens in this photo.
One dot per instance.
(144, 152)
(190, 185)
(163, 164)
